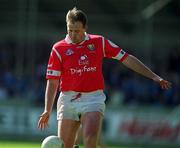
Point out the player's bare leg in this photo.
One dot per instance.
(79, 136)
(67, 130)
(91, 126)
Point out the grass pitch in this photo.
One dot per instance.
(14, 144)
(10, 144)
(20, 144)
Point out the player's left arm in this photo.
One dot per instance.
(136, 65)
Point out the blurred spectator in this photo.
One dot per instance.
(174, 60)
(3, 93)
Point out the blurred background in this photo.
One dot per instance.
(138, 111)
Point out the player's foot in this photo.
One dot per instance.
(76, 146)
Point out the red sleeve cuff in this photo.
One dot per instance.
(124, 57)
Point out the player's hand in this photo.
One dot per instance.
(164, 84)
(43, 120)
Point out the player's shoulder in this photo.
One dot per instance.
(59, 44)
(94, 36)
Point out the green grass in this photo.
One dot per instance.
(20, 144)
(9, 144)
(14, 144)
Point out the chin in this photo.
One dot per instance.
(74, 41)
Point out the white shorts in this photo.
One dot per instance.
(71, 105)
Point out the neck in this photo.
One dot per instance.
(79, 41)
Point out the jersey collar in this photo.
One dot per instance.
(69, 41)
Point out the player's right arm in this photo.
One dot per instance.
(53, 76)
(51, 90)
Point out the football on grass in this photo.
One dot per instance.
(52, 142)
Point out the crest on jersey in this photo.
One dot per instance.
(91, 47)
(83, 60)
(69, 52)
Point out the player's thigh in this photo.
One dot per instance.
(91, 123)
(67, 129)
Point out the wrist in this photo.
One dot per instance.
(160, 79)
(47, 110)
(157, 79)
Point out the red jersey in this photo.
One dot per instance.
(79, 66)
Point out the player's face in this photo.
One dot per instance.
(76, 31)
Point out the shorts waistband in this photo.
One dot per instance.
(85, 93)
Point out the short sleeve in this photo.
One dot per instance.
(111, 50)
(54, 65)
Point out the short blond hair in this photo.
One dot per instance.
(75, 15)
